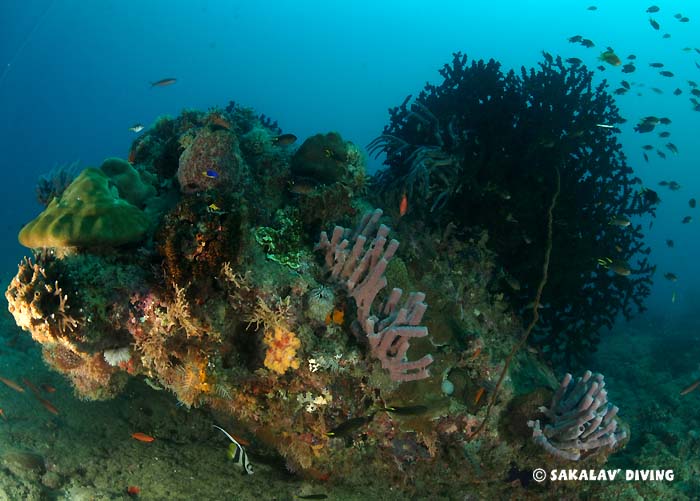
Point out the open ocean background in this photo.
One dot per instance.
(75, 76)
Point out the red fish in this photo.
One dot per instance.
(479, 394)
(142, 437)
(133, 490)
(403, 205)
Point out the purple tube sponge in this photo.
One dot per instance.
(581, 419)
(359, 268)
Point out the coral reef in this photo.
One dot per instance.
(479, 151)
(217, 297)
(581, 421)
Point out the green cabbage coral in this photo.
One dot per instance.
(89, 213)
(129, 181)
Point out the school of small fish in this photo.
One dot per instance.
(659, 20)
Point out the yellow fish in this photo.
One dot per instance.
(610, 57)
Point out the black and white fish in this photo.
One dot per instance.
(237, 453)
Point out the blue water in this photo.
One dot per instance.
(75, 75)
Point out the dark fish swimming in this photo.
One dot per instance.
(628, 68)
(667, 74)
(687, 219)
(650, 196)
(285, 139)
(350, 426)
(653, 9)
(692, 203)
(164, 82)
(677, 92)
(664, 134)
(587, 43)
(654, 24)
(669, 243)
(656, 65)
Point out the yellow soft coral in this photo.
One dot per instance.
(282, 346)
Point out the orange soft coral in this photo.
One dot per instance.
(282, 346)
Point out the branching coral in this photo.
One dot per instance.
(38, 304)
(478, 150)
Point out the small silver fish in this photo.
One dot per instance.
(136, 128)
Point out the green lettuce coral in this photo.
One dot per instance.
(89, 213)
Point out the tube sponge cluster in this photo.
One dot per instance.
(581, 419)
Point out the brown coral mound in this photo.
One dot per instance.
(212, 160)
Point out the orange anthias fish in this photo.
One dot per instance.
(12, 384)
(336, 316)
(403, 205)
(479, 394)
(142, 437)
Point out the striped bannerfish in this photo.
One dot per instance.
(237, 452)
